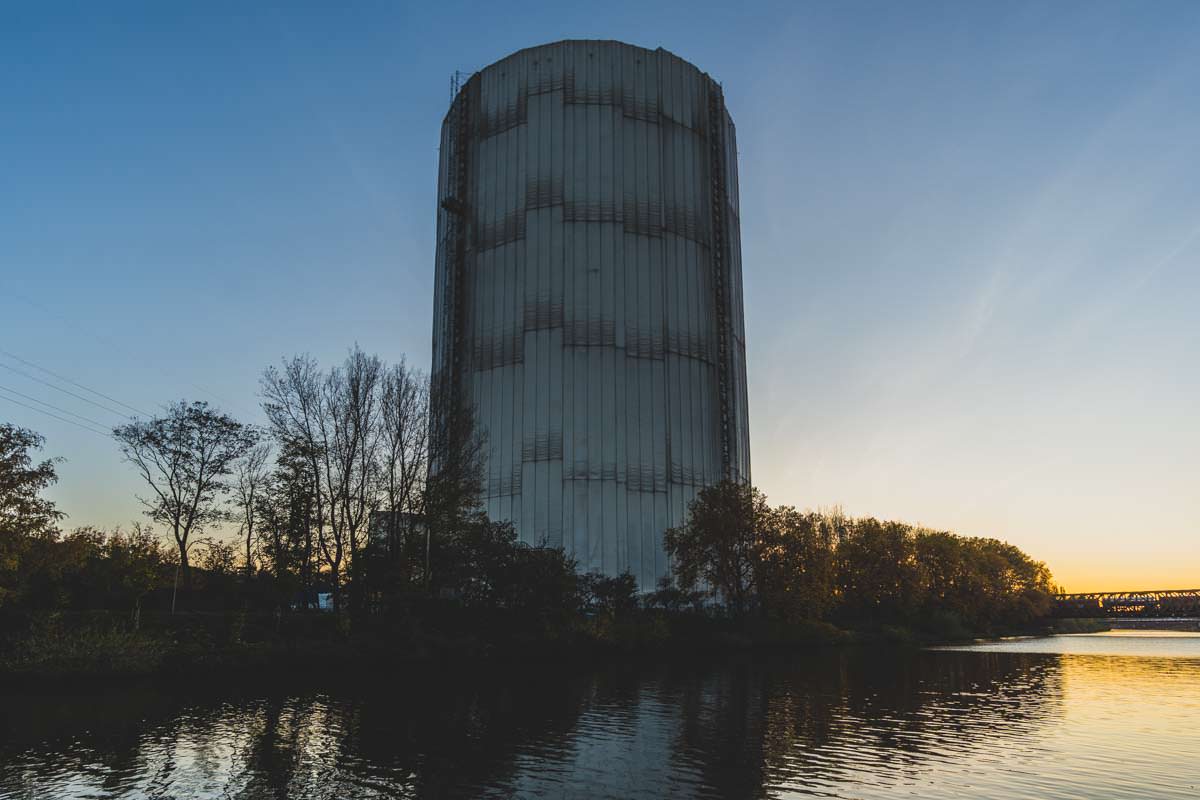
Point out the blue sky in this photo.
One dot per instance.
(971, 234)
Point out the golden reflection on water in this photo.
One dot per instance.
(1112, 715)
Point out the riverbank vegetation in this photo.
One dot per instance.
(321, 541)
(791, 566)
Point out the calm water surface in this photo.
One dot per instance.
(1100, 716)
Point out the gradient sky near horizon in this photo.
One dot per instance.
(971, 236)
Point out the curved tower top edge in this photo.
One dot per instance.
(469, 76)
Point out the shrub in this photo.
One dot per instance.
(54, 650)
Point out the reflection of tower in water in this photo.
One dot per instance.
(865, 722)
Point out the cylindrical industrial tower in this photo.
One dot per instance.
(588, 300)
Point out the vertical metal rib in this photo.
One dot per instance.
(457, 219)
(716, 145)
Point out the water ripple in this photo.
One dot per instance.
(1044, 720)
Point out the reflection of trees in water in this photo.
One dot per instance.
(723, 716)
(279, 751)
(456, 735)
(729, 728)
(48, 737)
(863, 712)
(435, 735)
(752, 725)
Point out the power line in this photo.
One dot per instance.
(51, 405)
(72, 321)
(65, 391)
(73, 383)
(81, 386)
(56, 416)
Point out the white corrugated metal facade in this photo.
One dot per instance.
(588, 297)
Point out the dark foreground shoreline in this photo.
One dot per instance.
(96, 648)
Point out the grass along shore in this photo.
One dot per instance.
(60, 646)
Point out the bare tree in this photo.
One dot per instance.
(352, 399)
(294, 405)
(185, 458)
(333, 420)
(405, 451)
(252, 474)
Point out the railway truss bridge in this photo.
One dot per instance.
(1151, 604)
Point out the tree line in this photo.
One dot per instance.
(788, 566)
(334, 494)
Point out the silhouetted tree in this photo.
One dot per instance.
(405, 457)
(186, 458)
(294, 517)
(218, 558)
(797, 574)
(249, 495)
(134, 565)
(879, 577)
(351, 473)
(721, 543)
(483, 564)
(22, 509)
(24, 514)
(616, 595)
(332, 419)
(294, 406)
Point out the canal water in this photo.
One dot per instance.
(1096, 716)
